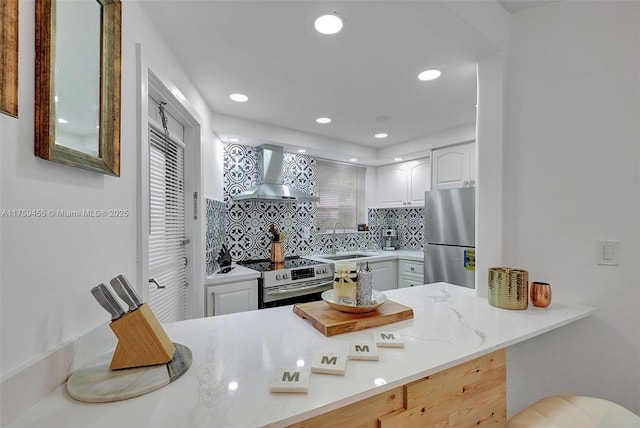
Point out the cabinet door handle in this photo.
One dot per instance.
(412, 269)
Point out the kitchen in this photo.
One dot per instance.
(538, 227)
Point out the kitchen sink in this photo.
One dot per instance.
(346, 256)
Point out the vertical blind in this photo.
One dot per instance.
(341, 192)
(167, 258)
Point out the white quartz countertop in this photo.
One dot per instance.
(239, 273)
(372, 256)
(234, 358)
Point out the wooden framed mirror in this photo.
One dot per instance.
(77, 94)
(9, 57)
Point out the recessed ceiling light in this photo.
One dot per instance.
(330, 23)
(397, 159)
(234, 140)
(241, 98)
(323, 120)
(353, 160)
(302, 151)
(429, 74)
(381, 135)
(61, 120)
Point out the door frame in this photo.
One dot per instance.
(149, 82)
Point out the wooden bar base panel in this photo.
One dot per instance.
(472, 394)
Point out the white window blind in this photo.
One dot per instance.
(341, 192)
(167, 227)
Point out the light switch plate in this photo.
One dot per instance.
(290, 379)
(609, 253)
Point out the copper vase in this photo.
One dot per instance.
(540, 294)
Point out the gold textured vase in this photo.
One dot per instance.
(508, 288)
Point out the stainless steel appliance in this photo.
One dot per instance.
(297, 280)
(389, 239)
(450, 229)
(270, 184)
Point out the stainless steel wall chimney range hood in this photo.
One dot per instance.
(271, 176)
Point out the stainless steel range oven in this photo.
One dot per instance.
(297, 280)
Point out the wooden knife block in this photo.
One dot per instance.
(141, 340)
(277, 252)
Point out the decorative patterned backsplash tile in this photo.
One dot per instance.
(247, 222)
(215, 234)
(408, 222)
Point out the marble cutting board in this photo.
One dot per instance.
(99, 384)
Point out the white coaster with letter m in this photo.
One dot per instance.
(290, 379)
(388, 339)
(326, 362)
(363, 351)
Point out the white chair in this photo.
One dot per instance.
(574, 412)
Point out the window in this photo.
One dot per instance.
(341, 192)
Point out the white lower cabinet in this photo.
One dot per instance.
(232, 297)
(385, 275)
(410, 273)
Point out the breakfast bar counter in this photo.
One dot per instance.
(235, 357)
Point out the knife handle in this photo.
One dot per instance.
(107, 301)
(137, 301)
(122, 293)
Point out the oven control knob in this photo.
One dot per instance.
(285, 276)
(278, 277)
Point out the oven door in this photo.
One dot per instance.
(307, 291)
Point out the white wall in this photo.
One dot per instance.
(49, 264)
(572, 156)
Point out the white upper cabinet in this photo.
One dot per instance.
(403, 184)
(392, 185)
(419, 174)
(454, 166)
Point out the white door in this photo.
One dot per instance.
(167, 236)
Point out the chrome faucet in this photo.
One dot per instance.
(333, 239)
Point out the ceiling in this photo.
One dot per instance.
(364, 78)
(514, 6)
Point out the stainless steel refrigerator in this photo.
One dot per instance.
(450, 230)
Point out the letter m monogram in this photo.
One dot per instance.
(364, 348)
(288, 377)
(327, 360)
(387, 336)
